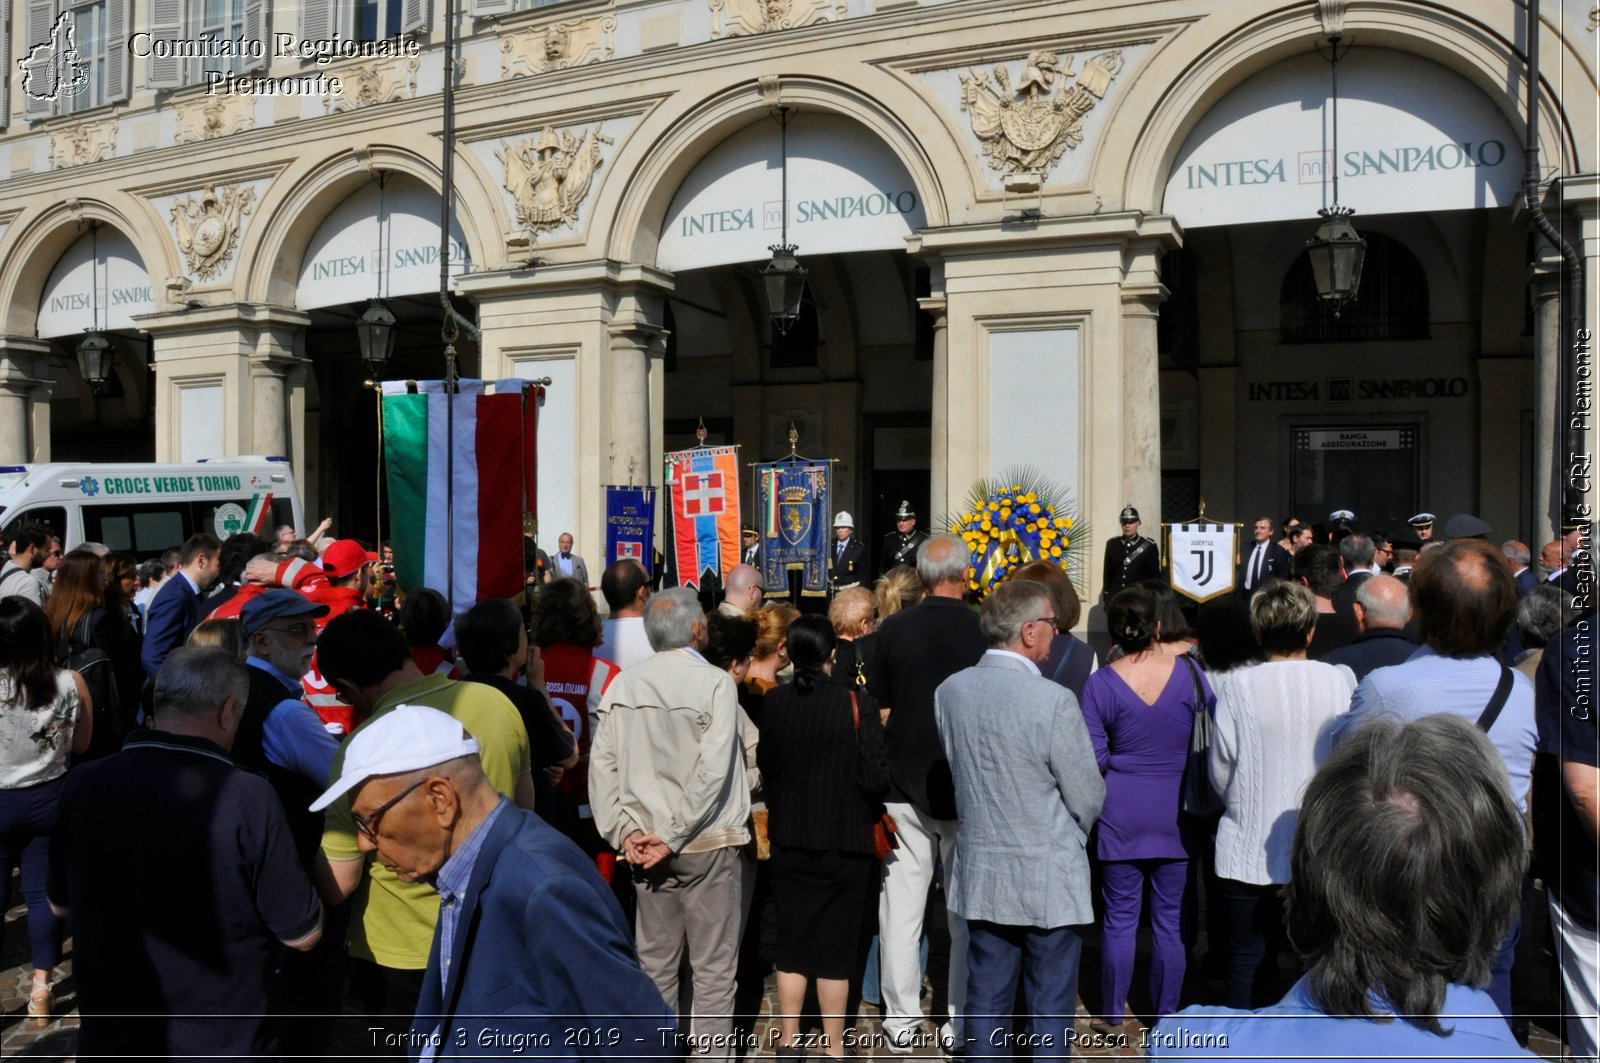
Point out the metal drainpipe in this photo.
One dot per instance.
(1570, 259)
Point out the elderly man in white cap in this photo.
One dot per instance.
(532, 954)
(849, 564)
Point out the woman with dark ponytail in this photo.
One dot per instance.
(823, 763)
(1140, 711)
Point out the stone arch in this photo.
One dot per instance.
(675, 142)
(1462, 41)
(304, 195)
(42, 239)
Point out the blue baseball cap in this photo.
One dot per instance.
(280, 601)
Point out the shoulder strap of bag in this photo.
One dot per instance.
(855, 711)
(1194, 674)
(1502, 692)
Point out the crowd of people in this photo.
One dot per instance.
(275, 785)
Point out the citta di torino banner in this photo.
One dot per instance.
(1204, 559)
(631, 525)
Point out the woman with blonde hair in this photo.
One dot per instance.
(1273, 729)
(222, 632)
(770, 656)
(897, 590)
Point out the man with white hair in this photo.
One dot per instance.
(741, 591)
(1382, 611)
(668, 789)
(530, 945)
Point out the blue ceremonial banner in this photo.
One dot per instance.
(630, 524)
(794, 500)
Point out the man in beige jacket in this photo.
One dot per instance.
(668, 787)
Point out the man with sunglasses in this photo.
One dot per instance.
(532, 954)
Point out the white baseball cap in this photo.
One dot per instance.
(406, 738)
(842, 520)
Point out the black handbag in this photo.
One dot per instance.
(1196, 795)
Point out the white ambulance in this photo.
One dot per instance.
(142, 509)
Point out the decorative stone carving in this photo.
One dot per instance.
(558, 46)
(1331, 13)
(742, 18)
(1026, 129)
(81, 143)
(549, 178)
(376, 82)
(208, 227)
(214, 116)
(1594, 18)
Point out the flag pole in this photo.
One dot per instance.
(447, 329)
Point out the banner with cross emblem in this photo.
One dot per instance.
(703, 508)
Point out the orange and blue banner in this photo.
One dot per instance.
(703, 513)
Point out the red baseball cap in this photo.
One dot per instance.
(345, 556)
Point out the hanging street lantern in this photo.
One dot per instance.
(375, 331)
(785, 280)
(94, 359)
(1337, 252)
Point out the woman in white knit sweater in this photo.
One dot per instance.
(1273, 724)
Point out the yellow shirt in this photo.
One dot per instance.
(392, 922)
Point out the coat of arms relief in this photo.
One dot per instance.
(742, 18)
(1027, 127)
(559, 46)
(208, 226)
(548, 178)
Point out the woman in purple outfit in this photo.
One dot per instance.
(1139, 711)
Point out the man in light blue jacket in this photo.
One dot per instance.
(1027, 792)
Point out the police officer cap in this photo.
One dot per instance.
(1466, 526)
(905, 512)
(1130, 515)
(1421, 521)
(843, 520)
(1341, 515)
(748, 529)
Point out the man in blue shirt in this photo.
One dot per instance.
(1406, 873)
(1464, 599)
(532, 955)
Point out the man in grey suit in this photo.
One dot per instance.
(566, 563)
(1027, 792)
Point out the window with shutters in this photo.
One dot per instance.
(361, 20)
(91, 24)
(196, 33)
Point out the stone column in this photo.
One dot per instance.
(269, 412)
(23, 393)
(937, 308)
(1141, 404)
(633, 345)
(1548, 439)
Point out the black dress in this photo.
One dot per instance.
(824, 780)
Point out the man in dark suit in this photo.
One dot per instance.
(900, 546)
(1129, 558)
(750, 547)
(530, 942)
(1356, 552)
(176, 609)
(1265, 562)
(1381, 609)
(1520, 559)
(849, 554)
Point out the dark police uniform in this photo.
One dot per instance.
(901, 549)
(1129, 559)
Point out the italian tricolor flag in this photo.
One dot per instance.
(460, 475)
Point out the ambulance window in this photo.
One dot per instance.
(142, 530)
(52, 517)
(282, 513)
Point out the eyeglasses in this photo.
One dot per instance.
(368, 825)
(299, 629)
(1043, 620)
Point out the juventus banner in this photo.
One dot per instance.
(1204, 558)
